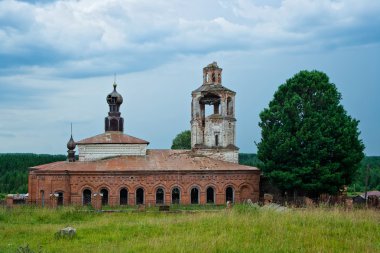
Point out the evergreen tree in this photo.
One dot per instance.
(309, 144)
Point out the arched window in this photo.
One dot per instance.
(159, 196)
(210, 195)
(194, 196)
(229, 194)
(123, 196)
(230, 109)
(176, 195)
(104, 197)
(60, 198)
(139, 196)
(86, 197)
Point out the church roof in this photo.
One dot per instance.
(213, 88)
(155, 160)
(112, 138)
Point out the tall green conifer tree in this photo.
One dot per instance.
(309, 144)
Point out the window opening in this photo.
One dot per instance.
(60, 199)
(160, 196)
(194, 196)
(139, 196)
(123, 196)
(229, 106)
(229, 194)
(104, 197)
(87, 197)
(210, 195)
(175, 196)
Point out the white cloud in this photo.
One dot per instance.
(93, 37)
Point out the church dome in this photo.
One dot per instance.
(114, 97)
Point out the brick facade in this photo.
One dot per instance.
(72, 185)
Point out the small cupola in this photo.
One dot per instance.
(70, 148)
(114, 122)
(71, 144)
(114, 99)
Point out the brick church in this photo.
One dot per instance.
(118, 169)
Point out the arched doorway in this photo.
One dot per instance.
(86, 197)
(139, 196)
(104, 192)
(210, 195)
(194, 196)
(123, 196)
(60, 198)
(176, 195)
(160, 196)
(229, 194)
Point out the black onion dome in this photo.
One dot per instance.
(71, 144)
(114, 97)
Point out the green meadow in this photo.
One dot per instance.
(240, 229)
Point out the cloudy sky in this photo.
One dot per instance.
(58, 59)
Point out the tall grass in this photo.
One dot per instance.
(237, 230)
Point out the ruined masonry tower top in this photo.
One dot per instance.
(212, 74)
(213, 117)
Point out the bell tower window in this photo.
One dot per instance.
(230, 109)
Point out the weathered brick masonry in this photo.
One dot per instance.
(118, 169)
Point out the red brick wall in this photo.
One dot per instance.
(244, 183)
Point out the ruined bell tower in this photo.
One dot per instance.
(213, 117)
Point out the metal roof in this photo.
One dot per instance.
(155, 160)
(113, 137)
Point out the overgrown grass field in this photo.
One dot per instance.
(241, 229)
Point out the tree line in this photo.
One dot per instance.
(14, 169)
